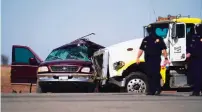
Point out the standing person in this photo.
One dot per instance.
(194, 51)
(189, 61)
(153, 46)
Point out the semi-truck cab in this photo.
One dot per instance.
(116, 64)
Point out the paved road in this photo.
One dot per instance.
(100, 102)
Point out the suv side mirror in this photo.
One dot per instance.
(174, 32)
(33, 61)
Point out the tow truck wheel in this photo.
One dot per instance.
(136, 82)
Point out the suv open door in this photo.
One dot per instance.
(24, 65)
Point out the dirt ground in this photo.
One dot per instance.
(6, 86)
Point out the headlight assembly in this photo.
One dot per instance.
(85, 69)
(118, 65)
(43, 69)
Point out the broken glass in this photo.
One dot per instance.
(71, 52)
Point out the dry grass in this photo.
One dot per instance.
(7, 87)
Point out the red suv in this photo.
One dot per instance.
(67, 67)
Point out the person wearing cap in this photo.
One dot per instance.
(194, 51)
(153, 46)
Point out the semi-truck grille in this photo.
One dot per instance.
(64, 68)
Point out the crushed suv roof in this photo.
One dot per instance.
(84, 42)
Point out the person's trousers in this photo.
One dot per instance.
(189, 71)
(153, 72)
(196, 72)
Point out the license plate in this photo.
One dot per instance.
(63, 78)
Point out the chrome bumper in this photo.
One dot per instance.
(65, 77)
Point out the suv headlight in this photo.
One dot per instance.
(85, 69)
(43, 69)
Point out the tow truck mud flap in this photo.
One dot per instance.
(118, 83)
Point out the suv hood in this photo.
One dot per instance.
(66, 62)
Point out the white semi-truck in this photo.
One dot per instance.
(116, 64)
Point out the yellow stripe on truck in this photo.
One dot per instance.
(127, 65)
(162, 72)
(189, 20)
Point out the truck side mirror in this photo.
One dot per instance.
(145, 33)
(174, 32)
(33, 61)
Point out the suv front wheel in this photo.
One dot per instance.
(39, 89)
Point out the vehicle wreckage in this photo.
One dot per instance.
(67, 67)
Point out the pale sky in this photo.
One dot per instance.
(46, 24)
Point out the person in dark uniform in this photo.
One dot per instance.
(194, 51)
(153, 46)
(189, 62)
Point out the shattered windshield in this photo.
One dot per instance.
(76, 52)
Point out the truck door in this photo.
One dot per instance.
(24, 65)
(178, 42)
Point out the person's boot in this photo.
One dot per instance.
(149, 93)
(195, 94)
(158, 92)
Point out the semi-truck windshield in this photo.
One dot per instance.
(76, 52)
(160, 30)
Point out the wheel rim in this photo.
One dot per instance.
(136, 86)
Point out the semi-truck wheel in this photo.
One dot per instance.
(136, 82)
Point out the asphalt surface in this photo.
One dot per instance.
(100, 102)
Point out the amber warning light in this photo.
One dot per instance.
(166, 18)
